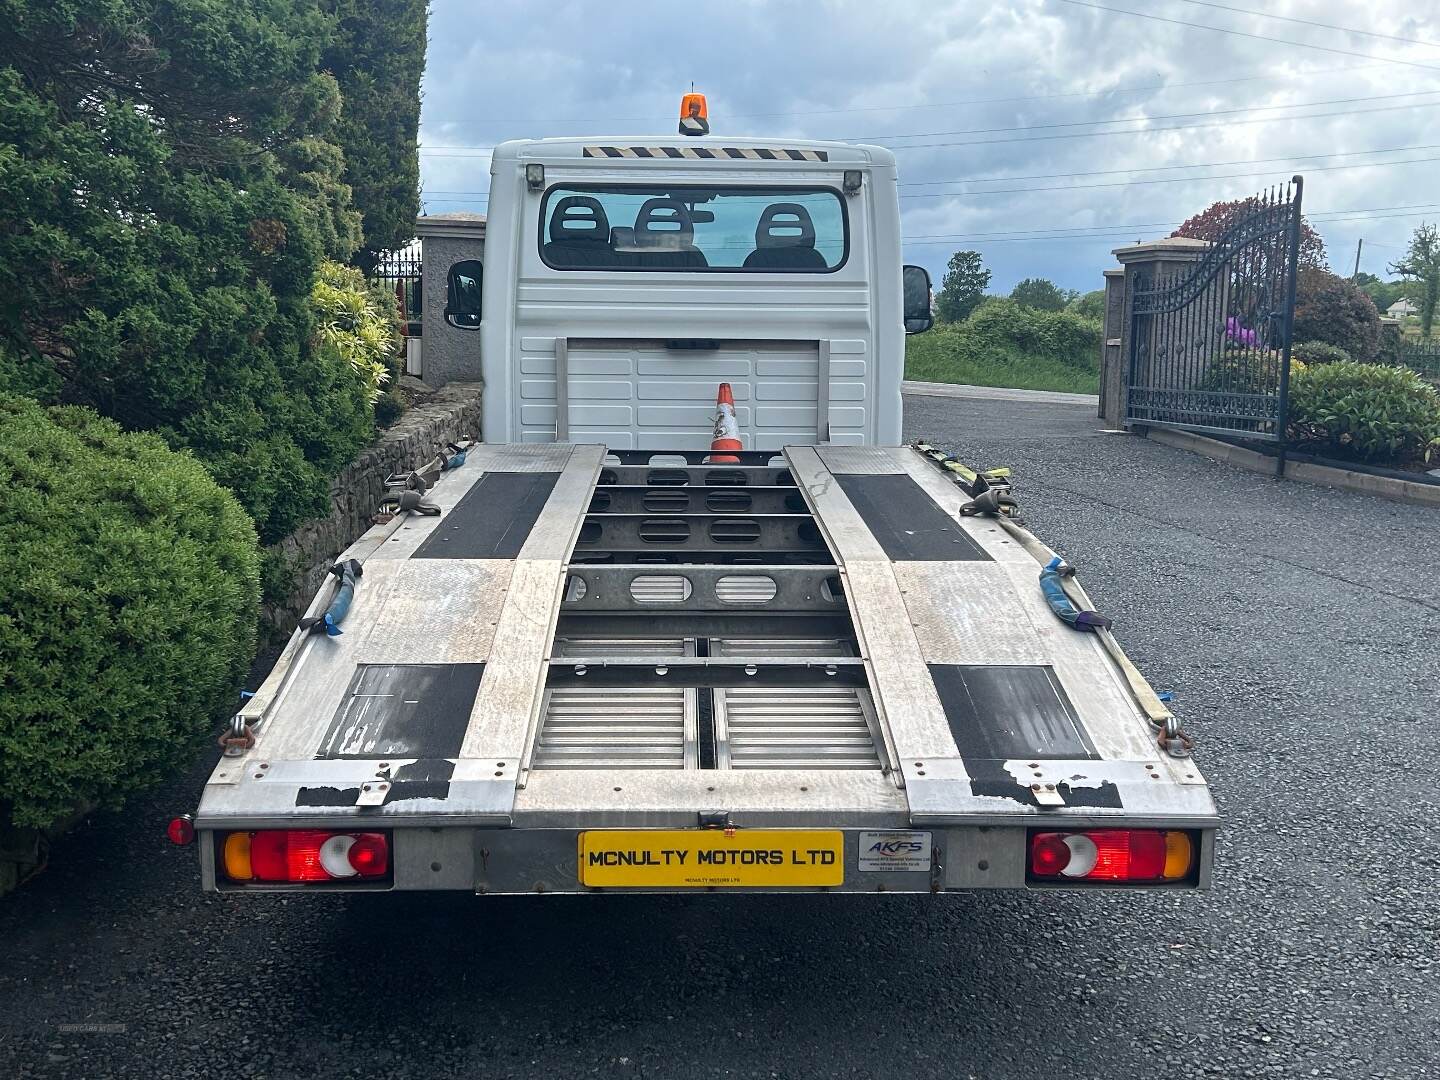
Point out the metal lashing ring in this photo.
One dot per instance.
(239, 738)
(1173, 740)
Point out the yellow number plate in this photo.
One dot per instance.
(697, 858)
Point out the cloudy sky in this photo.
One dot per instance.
(1042, 133)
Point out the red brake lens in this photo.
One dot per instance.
(1111, 855)
(300, 855)
(1049, 854)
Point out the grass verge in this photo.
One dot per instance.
(952, 356)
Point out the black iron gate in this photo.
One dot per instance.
(1209, 346)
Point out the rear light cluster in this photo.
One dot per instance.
(1111, 855)
(305, 855)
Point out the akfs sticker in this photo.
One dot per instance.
(887, 852)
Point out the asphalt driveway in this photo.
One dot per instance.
(1300, 631)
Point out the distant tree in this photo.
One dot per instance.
(1042, 295)
(963, 286)
(1384, 293)
(1212, 222)
(1421, 269)
(1330, 309)
(377, 54)
(1091, 305)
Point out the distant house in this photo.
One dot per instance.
(1402, 308)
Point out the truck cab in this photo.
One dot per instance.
(625, 277)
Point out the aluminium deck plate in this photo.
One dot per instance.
(433, 682)
(976, 682)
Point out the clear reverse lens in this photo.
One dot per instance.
(1083, 855)
(335, 856)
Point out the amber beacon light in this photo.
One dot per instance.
(694, 115)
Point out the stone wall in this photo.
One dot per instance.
(306, 554)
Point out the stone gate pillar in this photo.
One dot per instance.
(446, 354)
(1151, 258)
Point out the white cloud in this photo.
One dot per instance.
(511, 70)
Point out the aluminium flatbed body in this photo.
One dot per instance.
(797, 671)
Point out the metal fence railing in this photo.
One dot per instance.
(1421, 356)
(401, 271)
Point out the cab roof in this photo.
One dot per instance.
(523, 150)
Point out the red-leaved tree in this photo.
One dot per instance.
(1211, 223)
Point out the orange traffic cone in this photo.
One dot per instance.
(727, 428)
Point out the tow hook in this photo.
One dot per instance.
(717, 820)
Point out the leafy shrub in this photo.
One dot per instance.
(1091, 305)
(358, 323)
(390, 407)
(1337, 312)
(1058, 336)
(1247, 371)
(1005, 344)
(1318, 352)
(128, 588)
(1366, 411)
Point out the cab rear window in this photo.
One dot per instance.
(785, 230)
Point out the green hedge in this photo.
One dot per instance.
(1371, 412)
(1059, 336)
(1005, 344)
(1330, 309)
(1318, 352)
(1247, 371)
(129, 582)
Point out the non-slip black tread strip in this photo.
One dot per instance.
(1005, 712)
(403, 711)
(492, 520)
(906, 521)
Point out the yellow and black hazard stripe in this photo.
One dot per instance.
(708, 153)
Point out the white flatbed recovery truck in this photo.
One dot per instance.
(618, 661)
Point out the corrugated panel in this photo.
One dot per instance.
(821, 728)
(613, 729)
(796, 729)
(617, 729)
(629, 393)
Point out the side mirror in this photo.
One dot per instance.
(462, 294)
(916, 290)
